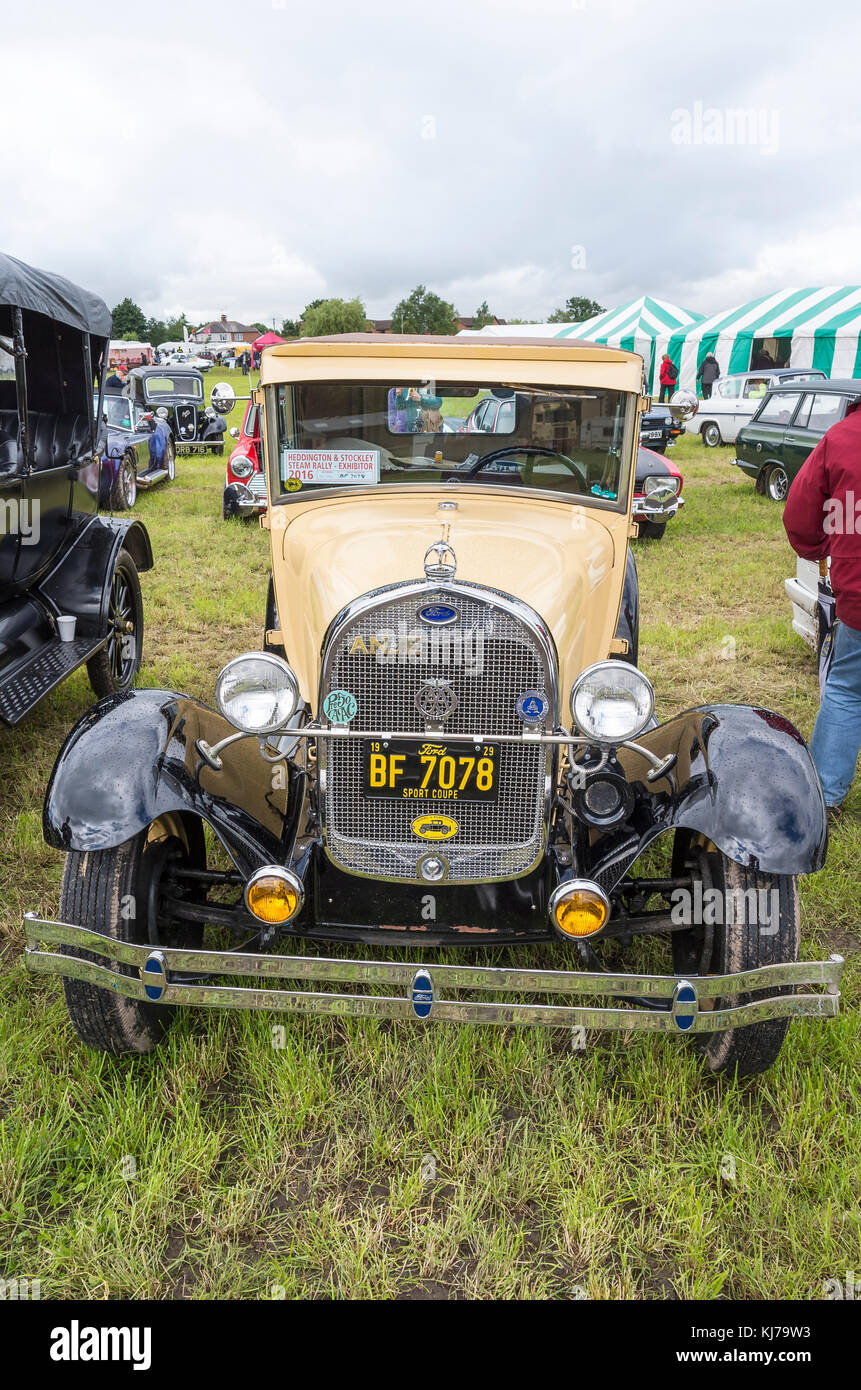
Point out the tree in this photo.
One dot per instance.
(291, 328)
(482, 315)
(424, 312)
(261, 327)
(169, 330)
(129, 320)
(334, 316)
(576, 310)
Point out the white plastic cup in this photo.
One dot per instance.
(66, 624)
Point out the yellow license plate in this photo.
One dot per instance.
(431, 770)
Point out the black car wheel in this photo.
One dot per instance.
(746, 938)
(711, 435)
(97, 886)
(124, 492)
(115, 666)
(170, 460)
(777, 483)
(652, 530)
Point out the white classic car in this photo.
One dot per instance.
(736, 398)
(803, 594)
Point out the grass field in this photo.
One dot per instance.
(366, 1160)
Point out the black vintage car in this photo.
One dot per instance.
(59, 560)
(658, 428)
(176, 395)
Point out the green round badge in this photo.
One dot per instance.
(340, 706)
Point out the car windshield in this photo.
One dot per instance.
(117, 410)
(568, 440)
(174, 385)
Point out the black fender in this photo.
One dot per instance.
(743, 777)
(628, 625)
(81, 582)
(132, 758)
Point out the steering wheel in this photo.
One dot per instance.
(530, 449)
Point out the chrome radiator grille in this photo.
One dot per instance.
(490, 657)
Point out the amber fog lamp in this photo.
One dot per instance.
(274, 895)
(578, 908)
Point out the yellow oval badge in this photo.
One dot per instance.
(434, 827)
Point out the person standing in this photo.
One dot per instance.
(820, 520)
(669, 375)
(708, 374)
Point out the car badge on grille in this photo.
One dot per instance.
(532, 707)
(422, 994)
(340, 706)
(438, 614)
(434, 827)
(440, 561)
(435, 700)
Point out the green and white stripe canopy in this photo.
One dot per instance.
(806, 328)
(635, 327)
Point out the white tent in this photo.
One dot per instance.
(797, 328)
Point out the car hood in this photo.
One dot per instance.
(567, 562)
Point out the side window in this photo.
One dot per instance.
(778, 409)
(825, 411)
(729, 388)
(801, 420)
(755, 387)
(505, 418)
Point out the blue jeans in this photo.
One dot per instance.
(836, 739)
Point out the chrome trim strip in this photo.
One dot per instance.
(402, 974)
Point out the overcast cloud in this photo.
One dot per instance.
(246, 158)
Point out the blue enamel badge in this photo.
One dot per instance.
(532, 707)
(421, 994)
(439, 614)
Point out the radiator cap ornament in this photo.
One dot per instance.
(440, 561)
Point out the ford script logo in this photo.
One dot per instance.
(438, 614)
(153, 974)
(685, 1005)
(421, 994)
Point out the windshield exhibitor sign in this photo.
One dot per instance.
(331, 466)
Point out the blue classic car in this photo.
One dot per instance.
(140, 452)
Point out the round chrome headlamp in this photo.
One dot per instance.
(242, 466)
(257, 692)
(612, 701)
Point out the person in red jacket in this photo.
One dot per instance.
(669, 376)
(823, 517)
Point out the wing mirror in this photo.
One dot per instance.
(223, 397)
(683, 405)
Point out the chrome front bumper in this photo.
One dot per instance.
(158, 973)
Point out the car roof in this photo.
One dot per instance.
(844, 387)
(774, 371)
(386, 355)
(167, 368)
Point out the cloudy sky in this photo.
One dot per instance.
(247, 157)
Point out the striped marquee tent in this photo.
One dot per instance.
(798, 328)
(645, 325)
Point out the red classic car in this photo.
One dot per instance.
(245, 481)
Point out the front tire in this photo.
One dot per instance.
(116, 892)
(652, 530)
(124, 492)
(115, 666)
(711, 436)
(170, 460)
(757, 936)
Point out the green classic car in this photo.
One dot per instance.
(787, 427)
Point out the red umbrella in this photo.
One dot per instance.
(266, 340)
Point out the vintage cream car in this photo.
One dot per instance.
(445, 742)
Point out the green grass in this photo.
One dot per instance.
(624, 1170)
